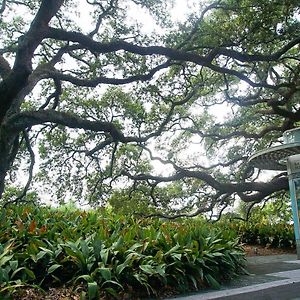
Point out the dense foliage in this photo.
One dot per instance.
(269, 225)
(262, 232)
(106, 98)
(98, 251)
(278, 235)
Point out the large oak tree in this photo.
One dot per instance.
(94, 105)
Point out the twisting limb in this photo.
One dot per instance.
(203, 209)
(107, 80)
(242, 189)
(28, 43)
(3, 6)
(23, 120)
(105, 12)
(5, 68)
(112, 160)
(183, 215)
(15, 149)
(248, 212)
(94, 2)
(100, 146)
(236, 133)
(153, 186)
(30, 171)
(220, 213)
(95, 187)
(250, 209)
(251, 206)
(175, 54)
(27, 119)
(193, 32)
(176, 167)
(55, 95)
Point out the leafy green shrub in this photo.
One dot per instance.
(111, 253)
(263, 232)
(275, 235)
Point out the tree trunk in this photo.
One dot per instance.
(9, 144)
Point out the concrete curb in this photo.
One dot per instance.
(278, 290)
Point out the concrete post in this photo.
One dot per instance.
(293, 168)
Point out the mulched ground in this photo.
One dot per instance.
(62, 293)
(257, 250)
(65, 293)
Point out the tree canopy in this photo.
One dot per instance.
(117, 100)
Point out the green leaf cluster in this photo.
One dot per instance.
(109, 253)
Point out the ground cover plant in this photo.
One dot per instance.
(268, 225)
(98, 252)
(278, 235)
